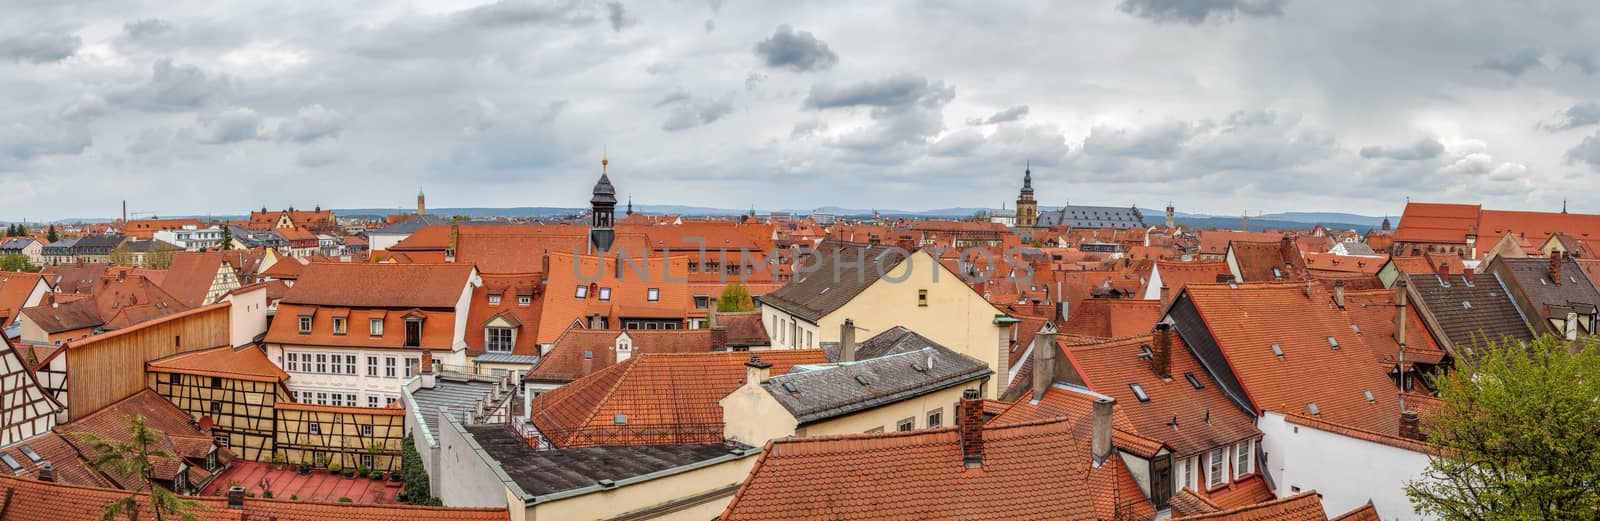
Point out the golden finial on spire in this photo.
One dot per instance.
(603, 160)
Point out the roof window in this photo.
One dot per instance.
(789, 386)
(620, 419)
(1312, 406)
(1277, 350)
(1355, 328)
(1194, 381)
(1138, 392)
(1368, 395)
(32, 456)
(862, 380)
(11, 462)
(1145, 353)
(1466, 304)
(1333, 342)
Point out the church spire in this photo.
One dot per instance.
(630, 204)
(1027, 178)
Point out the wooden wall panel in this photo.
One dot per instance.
(105, 368)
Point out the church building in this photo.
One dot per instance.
(1030, 218)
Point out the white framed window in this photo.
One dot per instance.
(387, 401)
(583, 292)
(905, 425)
(412, 363)
(372, 366)
(935, 419)
(372, 401)
(1185, 473)
(292, 362)
(1216, 464)
(366, 431)
(652, 294)
(810, 340)
(314, 428)
(1245, 457)
(340, 325)
(366, 459)
(497, 339)
(375, 327)
(350, 366)
(494, 300)
(322, 363)
(350, 400)
(390, 365)
(524, 301)
(322, 398)
(305, 325)
(605, 294)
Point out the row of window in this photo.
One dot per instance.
(713, 267)
(790, 333)
(391, 366)
(341, 399)
(341, 326)
(935, 420)
(522, 300)
(604, 294)
(1214, 466)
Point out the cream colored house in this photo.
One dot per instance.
(878, 288)
(915, 385)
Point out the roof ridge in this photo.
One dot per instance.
(1257, 506)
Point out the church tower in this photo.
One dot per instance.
(604, 206)
(1027, 209)
(1172, 217)
(422, 203)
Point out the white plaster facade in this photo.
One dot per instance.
(1347, 471)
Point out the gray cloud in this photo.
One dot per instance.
(895, 91)
(1514, 64)
(172, 88)
(685, 111)
(22, 142)
(1197, 11)
(40, 47)
(797, 51)
(617, 14)
(1424, 149)
(229, 126)
(1011, 114)
(148, 28)
(312, 123)
(86, 107)
(1587, 152)
(1159, 141)
(1579, 115)
(515, 13)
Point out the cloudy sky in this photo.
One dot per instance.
(1219, 106)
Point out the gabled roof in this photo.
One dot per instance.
(1373, 311)
(1471, 312)
(1112, 317)
(247, 363)
(1548, 295)
(1064, 400)
(66, 316)
(510, 288)
(1306, 506)
(581, 352)
(76, 277)
(1188, 420)
(429, 286)
(840, 275)
(112, 421)
(1267, 261)
(1437, 223)
(191, 275)
(627, 293)
(1177, 274)
(1325, 364)
(651, 399)
(25, 400)
(1215, 242)
(744, 328)
(837, 390)
(1030, 470)
(15, 288)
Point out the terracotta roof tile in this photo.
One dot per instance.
(658, 398)
(1112, 318)
(248, 363)
(510, 288)
(1267, 261)
(1437, 223)
(582, 352)
(1177, 274)
(1189, 503)
(1365, 512)
(628, 294)
(427, 286)
(1373, 311)
(1068, 401)
(76, 277)
(191, 276)
(1215, 242)
(744, 328)
(437, 327)
(111, 423)
(1306, 506)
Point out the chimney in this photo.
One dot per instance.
(455, 234)
(1289, 250)
(429, 379)
(756, 371)
(1555, 267)
(1411, 426)
(1224, 278)
(1044, 361)
(236, 498)
(1161, 358)
(1444, 271)
(711, 314)
(47, 471)
(1166, 295)
(1100, 444)
(1036, 307)
(1061, 310)
(1400, 315)
(847, 341)
(719, 339)
(971, 429)
(1338, 294)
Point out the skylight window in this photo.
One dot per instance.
(1138, 392)
(1145, 353)
(1465, 304)
(1355, 328)
(1194, 381)
(1277, 350)
(789, 386)
(620, 419)
(32, 456)
(1312, 406)
(862, 380)
(1370, 398)
(1333, 342)
(11, 462)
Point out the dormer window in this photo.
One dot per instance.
(340, 325)
(375, 327)
(524, 301)
(494, 300)
(413, 332)
(305, 325)
(498, 339)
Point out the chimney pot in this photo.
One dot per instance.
(1100, 444)
(1411, 426)
(47, 471)
(847, 341)
(236, 498)
(1555, 267)
(1044, 361)
(971, 428)
(1166, 295)
(757, 370)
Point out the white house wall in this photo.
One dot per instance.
(1347, 471)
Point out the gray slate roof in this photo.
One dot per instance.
(1532, 276)
(1358, 248)
(455, 393)
(540, 473)
(1092, 217)
(833, 283)
(411, 225)
(837, 390)
(1472, 312)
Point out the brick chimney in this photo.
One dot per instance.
(756, 370)
(711, 314)
(1100, 444)
(1555, 267)
(1288, 250)
(847, 341)
(1161, 355)
(429, 378)
(1044, 361)
(1444, 271)
(971, 427)
(1166, 296)
(1411, 426)
(47, 471)
(1338, 294)
(1224, 278)
(235, 498)
(719, 339)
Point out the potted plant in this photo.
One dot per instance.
(376, 475)
(350, 473)
(305, 468)
(335, 468)
(362, 470)
(278, 461)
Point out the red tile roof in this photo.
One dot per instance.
(661, 399)
(112, 422)
(1267, 261)
(1437, 223)
(510, 288)
(921, 475)
(1177, 274)
(1188, 420)
(427, 286)
(1373, 311)
(1299, 318)
(1306, 506)
(191, 276)
(75, 278)
(1344, 263)
(1215, 242)
(582, 352)
(14, 291)
(438, 327)
(629, 292)
(1066, 401)
(226, 362)
(744, 328)
(1112, 318)
(1365, 512)
(34, 500)
(1363, 434)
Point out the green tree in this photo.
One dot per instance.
(735, 298)
(50, 234)
(16, 262)
(417, 488)
(227, 238)
(1517, 434)
(160, 256)
(133, 457)
(11, 230)
(22, 230)
(122, 256)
